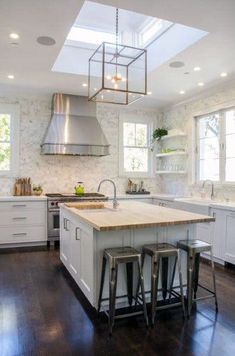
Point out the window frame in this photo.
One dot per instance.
(14, 111)
(150, 125)
(222, 147)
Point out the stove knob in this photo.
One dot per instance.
(52, 203)
(56, 203)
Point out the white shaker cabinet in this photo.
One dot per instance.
(218, 233)
(76, 251)
(65, 226)
(23, 221)
(229, 246)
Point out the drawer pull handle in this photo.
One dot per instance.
(19, 218)
(20, 234)
(76, 233)
(66, 224)
(19, 205)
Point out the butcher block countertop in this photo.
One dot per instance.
(136, 215)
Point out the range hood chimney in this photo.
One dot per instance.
(74, 128)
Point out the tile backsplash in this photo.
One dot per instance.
(60, 173)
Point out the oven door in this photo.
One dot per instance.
(54, 223)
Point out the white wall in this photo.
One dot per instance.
(181, 117)
(60, 173)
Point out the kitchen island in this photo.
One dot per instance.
(85, 233)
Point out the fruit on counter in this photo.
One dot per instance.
(37, 189)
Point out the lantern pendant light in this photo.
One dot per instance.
(117, 73)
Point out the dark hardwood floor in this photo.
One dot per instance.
(42, 312)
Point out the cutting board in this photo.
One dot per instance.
(85, 205)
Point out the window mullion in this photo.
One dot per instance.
(222, 154)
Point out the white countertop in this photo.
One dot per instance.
(208, 202)
(169, 197)
(22, 198)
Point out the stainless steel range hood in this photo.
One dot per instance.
(74, 128)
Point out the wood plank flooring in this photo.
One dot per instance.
(42, 312)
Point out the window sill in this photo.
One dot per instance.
(136, 175)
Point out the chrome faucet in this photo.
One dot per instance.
(115, 202)
(212, 187)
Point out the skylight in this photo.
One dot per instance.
(96, 24)
(86, 35)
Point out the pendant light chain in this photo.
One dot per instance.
(117, 13)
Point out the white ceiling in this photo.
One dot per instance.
(31, 63)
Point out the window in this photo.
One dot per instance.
(135, 152)
(216, 146)
(9, 139)
(151, 29)
(90, 35)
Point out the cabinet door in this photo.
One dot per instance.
(203, 233)
(218, 230)
(86, 264)
(75, 251)
(64, 239)
(229, 253)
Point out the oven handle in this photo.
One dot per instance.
(53, 210)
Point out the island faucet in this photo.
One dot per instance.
(212, 187)
(115, 202)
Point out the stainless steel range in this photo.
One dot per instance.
(53, 209)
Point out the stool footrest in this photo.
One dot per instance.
(125, 315)
(204, 297)
(167, 306)
(205, 288)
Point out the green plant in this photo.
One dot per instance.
(158, 133)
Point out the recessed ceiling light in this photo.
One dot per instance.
(84, 84)
(223, 74)
(176, 64)
(149, 93)
(200, 84)
(14, 36)
(46, 41)
(196, 69)
(182, 92)
(10, 76)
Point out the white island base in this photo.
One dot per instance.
(82, 242)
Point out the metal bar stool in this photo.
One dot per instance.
(115, 256)
(157, 252)
(193, 249)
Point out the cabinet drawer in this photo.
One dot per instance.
(22, 205)
(22, 234)
(20, 217)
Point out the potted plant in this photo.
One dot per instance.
(37, 189)
(158, 133)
